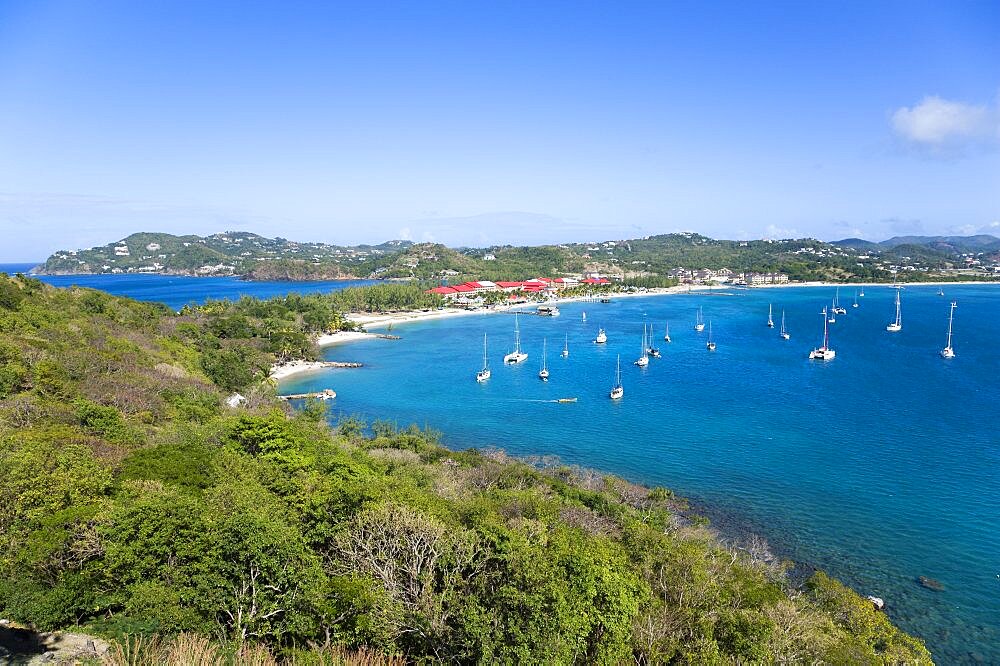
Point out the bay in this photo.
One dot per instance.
(879, 467)
(176, 291)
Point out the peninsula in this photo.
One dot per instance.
(654, 259)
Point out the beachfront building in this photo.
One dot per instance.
(759, 279)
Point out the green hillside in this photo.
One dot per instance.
(231, 253)
(257, 258)
(134, 503)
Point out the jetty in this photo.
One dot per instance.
(325, 394)
(387, 336)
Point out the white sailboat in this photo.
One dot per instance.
(862, 294)
(699, 324)
(585, 316)
(785, 335)
(948, 352)
(666, 332)
(543, 374)
(836, 304)
(710, 345)
(484, 374)
(897, 325)
(833, 314)
(770, 318)
(602, 337)
(643, 359)
(648, 337)
(855, 299)
(516, 356)
(565, 351)
(824, 353)
(617, 391)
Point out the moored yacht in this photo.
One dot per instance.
(948, 352)
(485, 373)
(643, 359)
(824, 353)
(897, 325)
(650, 349)
(617, 391)
(516, 356)
(785, 335)
(543, 374)
(565, 351)
(666, 332)
(710, 345)
(837, 309)
(547, 310)
(699, 322)
(602, 337)
(770, 318)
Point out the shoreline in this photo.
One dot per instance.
(388, 319)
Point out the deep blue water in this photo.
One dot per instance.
(879, 467)
(178, 291)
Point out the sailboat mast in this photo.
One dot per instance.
(826, 331)
(951, 317)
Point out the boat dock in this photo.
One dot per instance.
(325, 394)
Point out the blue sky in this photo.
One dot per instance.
(477, 123)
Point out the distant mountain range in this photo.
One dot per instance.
(959, 244)
(651, 258)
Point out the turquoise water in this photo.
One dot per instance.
(178, 291)
(879, 467)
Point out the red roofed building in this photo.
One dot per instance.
(447, 292)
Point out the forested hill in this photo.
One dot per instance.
(257, 258)
(232, 253)
(134, 503)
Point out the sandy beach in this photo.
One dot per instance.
(284, 370)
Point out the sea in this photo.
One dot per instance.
(176, 291)
(880, 467)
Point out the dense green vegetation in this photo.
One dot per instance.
(258, 258)
(132, 502)
(232, 253)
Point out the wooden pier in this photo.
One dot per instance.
(325, 394)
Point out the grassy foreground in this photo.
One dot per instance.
(134, 506)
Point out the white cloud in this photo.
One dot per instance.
(775, 232)
(405, 234)
(936, 123)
